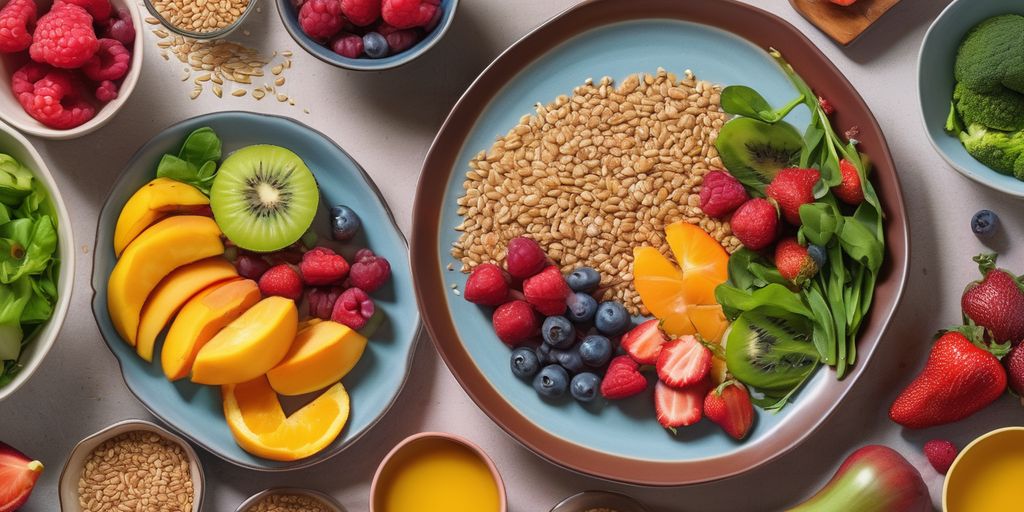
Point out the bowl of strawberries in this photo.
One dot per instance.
(70, 64)
(367, 35)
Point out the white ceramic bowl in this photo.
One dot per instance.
(72, 472)
(17, 146)
(331, 503)
(12, 113)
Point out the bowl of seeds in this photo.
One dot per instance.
(290, 500)
(134, 464)
(201, 19)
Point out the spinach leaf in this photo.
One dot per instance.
(200, 147)
(821, 222)
(741, 100)
(196, 162)
(15, 181)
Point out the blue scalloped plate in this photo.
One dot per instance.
(194, 411)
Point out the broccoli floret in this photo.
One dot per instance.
(1001, 151)
(1001, 110)
(992, 55)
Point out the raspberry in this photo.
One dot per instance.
(23, 81)
(547, 291)
(16, 21)
(721, 194)
(793, 188)
(64, 37)
(941, 454)
(322, 300)
(408, 13)
(120, 27)
(369, 273)
(251, 267)
(353, 308)
(525, 258)
(98, 9)
(55, 102)
(363, 255)
(321, 19)
(756, 223)
(487, 285)
(347, 45)
(282, 281)
(322, 266)
(514, 322)
(109, 63)
(361, 12)
(850, 190)
(106, 91)
(401, 40)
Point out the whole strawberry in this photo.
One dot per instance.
(721, 194)
(940, 454)
(850, 190)
(487, 285)
(515, 322)
(794, 262)
(756, 224)
(282, 281)
(959, 379)
(791, 189)
(996, 302)
(729, 407)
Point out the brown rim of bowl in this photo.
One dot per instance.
(762, 29)
(498, 480)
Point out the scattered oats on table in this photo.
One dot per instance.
(137, 470)
(592, 175)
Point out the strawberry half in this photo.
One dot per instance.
(622, 379)
(729, 407)
(644, 342)
(679, 407)
(18, 475)
(683, 361)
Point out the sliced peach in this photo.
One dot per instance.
(169, 244)
(154, 201)
(250, 345)
(202, 317)
(321, 355)
(171, 294)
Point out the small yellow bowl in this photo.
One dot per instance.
(986, 476)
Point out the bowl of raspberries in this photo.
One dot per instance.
(70, 64)
(367, 35)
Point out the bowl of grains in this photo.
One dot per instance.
(201, 19)
(290, 500)
(134, 464)
(599, 501)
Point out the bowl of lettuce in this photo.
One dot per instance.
(36, 260)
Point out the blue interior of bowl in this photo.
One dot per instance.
(290, 17)
(195, 411)
(625, 428)
(935, 84)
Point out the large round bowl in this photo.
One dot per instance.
(935, 85)
(195, 411)
(721, 41)
(33, 353)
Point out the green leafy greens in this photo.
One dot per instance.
(196, 162)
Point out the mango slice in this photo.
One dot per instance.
(167, 245)
(250, 345)
(321, 355)
(154, 201)
(172, 293)
(202, 317)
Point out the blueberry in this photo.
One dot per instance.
(375, 45)
(612, 319)
(569, 359)
(544, 354)
(525, 363)
(583, 279)
(818, 254)
(581, 307)
(552, 381)
(584, 387)
(985, 223)
(595, 350)
(344, 223)
(558, 332)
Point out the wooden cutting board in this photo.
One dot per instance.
(843, 24)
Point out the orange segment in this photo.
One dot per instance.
(703, 261)
(261, 428)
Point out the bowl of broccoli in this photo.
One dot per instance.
(971, 88)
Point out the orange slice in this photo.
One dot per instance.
(261, 428)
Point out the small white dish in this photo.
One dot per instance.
(72, 472)
(12, 113)
(331, 503)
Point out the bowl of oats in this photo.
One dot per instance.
(290, 499)
(201, 19)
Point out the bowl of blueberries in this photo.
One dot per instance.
(367, 35)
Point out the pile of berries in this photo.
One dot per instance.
(368, 28)
(334, 288)
(563, 339)
(78, 55)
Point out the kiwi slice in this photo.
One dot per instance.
(264, 197)
(753, 151)
(770, 353)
